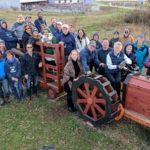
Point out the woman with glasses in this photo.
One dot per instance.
(30, 63)
(27, 34)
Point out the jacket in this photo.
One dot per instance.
(2, 68)
(25, 38)
(69, 72)
(141, 54)
(38, 23)
(9, 38)
(147, 65)
(112, 41)
(86, 57)
(69, 43)
(52, 29)
(29, 64)
(13, 68)
(81, 44)
(18, 29)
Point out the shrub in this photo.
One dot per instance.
(138, 17)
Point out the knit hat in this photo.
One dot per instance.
(96, 34)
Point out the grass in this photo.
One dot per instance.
(31, 124)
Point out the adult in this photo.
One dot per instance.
(28, 21)
(89, 58)
(81, 40)
(7, 35)
(114, 61)
(67, 40)
(114, 39)
(58, 32)
(102, 53)
(53, 26)
(27, 34)
(97, 40)
(127, 37)
(141, 51)
(18, 27)
(39, 21)
(30, 63)
(72, 71)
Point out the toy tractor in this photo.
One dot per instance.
(97, 101)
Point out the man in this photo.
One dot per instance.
(58, 32)
(30, 63)
(114, 63)
(68, 40)
(39, 21)
(89, 57)
(102, 53)
(127, 37)
(141, 51)
(7, 35)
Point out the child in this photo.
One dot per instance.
(13, 73)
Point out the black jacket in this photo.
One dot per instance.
(25, 38)
(29, 64)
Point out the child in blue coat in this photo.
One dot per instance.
(13, 73)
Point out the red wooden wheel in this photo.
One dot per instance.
(89, 101)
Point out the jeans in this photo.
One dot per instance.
(4, 87)
(16, 88)
(31, 84)
(115, 79)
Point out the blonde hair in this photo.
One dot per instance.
(69, 58)
(116, 44)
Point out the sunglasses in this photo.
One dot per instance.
(28, 28)
(30, 47)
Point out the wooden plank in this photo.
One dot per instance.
(137, 117)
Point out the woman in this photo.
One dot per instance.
(81, 40)
(72, 71)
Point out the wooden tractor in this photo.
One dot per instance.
(97, 101)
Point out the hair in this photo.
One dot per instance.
(10, 52)
(84, 34)
(125, 48)
(74, 50)
(116, 32)
(117, 44)
(105, 39)
(27, 25)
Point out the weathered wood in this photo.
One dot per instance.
(138, 95)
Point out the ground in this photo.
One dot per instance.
(29, 125)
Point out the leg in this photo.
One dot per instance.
(20, 89)
(111, 78)
(118, 83)
(5, 88)
(13, 87)
(28, 88)
(35, 83)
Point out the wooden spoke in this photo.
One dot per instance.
(94, 91)
(81, 101)
(94, 113)
(100, 110)
(86, 85)
(81, 93)
(100, 100)
(86, 109)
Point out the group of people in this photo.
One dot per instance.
(83, 55)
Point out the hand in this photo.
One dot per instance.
(88, 72)
(40, 64)
(26, 76)
(76, 79)
(101, 64)
(13, 78)
(62, 43)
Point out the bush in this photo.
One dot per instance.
(138, 17)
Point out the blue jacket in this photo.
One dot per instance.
(86, 57)
(38, 23)
(52, 29)
(69, 43)
(9, 38)
(57, 34)
(141, 54)
(13, 68)
(2, 68)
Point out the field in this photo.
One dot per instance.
(29, 125)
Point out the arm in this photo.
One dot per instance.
(84, 62)
(127, 60)
(8, 74)
(18, 74)
(109, 63)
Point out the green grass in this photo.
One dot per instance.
(31, 124)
